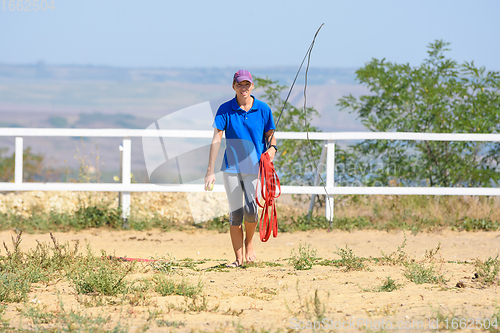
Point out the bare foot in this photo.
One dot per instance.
(250, 252)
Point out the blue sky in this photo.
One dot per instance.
(161, 33)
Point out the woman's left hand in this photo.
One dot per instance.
(271, 152)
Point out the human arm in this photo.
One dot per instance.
(214, 150)
(270, 136)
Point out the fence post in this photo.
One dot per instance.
(120, 178)
(18, 173)
(126, 175)
(316, 178)
(330, 179)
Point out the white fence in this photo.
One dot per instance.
(126, 187)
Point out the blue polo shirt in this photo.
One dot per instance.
(244, 130)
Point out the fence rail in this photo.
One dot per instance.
(126, 187)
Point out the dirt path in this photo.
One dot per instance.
(274, 297)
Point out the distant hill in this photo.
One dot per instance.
(42, 95)
(42, 71)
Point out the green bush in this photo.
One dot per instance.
(42, 264)
(220, 224)
(103, 276)
(389, 285)
(305, 259)
(351, 223)
(420, 274)
(487, 271)
(94, 216)
(166, 286)
(349, 261)
(33, 167)
(163, 264)
(304, 223)
(97, 216)
(469, 224)
(13, 287)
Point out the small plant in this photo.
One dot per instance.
(351, 223)
(304, 260)
(398, 257)
(233, 313)
(96, 216)
(316, 307)
(487, 271)
(103, 276)
(196, 303)
(89, 171)
(3, 322)
(190, 263)
(41, 264)
(420, 274)
(66, 321)
(163, 264)
(312, 308)
(94, 300)
(102, 280)
(304, 223)
(220, 224)
(328, 262)
(138, 294)
(454, 320)
(430, 255)
(13, 287)
(389, 285)
(167, 323)
(38, 316)
(484, 224)
(272, 264)
(166, 286)
(349, 261)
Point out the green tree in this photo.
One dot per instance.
(33, 167)
(439, 96)
(295, 161)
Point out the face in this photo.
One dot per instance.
(243, 89)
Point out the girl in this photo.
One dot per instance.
(248, 124)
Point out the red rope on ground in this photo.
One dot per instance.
(130, 259)
(268, 182)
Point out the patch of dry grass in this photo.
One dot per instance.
(418, 211)
(172, 211)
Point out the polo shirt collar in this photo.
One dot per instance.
(236, 106)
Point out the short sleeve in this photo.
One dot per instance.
(220, 121)
(269, 121)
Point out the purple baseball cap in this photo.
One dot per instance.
(242, 75)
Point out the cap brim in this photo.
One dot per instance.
(243, 78)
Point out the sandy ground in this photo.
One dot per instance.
(281, 297)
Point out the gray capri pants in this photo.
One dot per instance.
(240, 190)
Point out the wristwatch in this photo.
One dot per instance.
(274, 146)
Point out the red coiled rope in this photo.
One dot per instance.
(268, 182)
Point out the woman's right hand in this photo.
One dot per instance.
(209, 181)
(214, 148)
